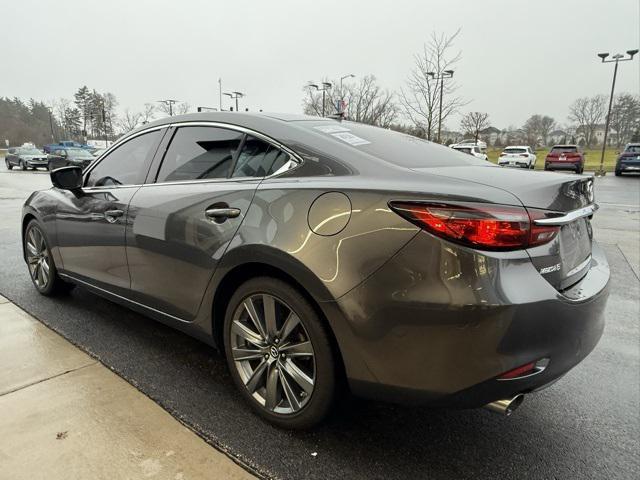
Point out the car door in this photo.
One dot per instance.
(91, 224)
(11, 157)
(181, 223)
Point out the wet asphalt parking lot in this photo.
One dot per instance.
(587, 425)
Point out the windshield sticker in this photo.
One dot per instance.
(331, 128)
(351, 139)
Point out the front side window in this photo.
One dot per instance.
(258, 159)
(127, 164)
(198, 153)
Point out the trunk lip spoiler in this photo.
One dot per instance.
(569, 217)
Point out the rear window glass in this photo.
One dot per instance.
(463, 149)
(515, 150)
(633, 149)
(564, 149)
(394, 147)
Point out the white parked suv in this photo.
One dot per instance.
(470, 149)
(521, 156)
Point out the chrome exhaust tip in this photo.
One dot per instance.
(506, 406)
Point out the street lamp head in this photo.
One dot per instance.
(603, 56)
(327, 84)
(632, 53)
(449, 72)
(431, 74)
(228, 94)
(239, 94)
(313, 85)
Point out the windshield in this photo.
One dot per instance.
(632, 149)
(515, 150)
(78, 153)
(30, 151)
(391, 146)
(564, 149)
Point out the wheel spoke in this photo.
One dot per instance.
(290, 324)
(39, 274)
(31, 248)
(255, 318)
(45, 267)
(245, 332)
(254, 381)
(302, 349)
(240, 354)
(269, 306)
(288, 392)
(271, 396)
(298, 376)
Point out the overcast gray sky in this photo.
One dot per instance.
(519, 57)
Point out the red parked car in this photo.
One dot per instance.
(565, 157)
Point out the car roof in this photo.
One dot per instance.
(565, 146)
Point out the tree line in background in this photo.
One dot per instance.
(429, 98)
(421, 107)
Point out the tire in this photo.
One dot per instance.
(295, 404)
(9, 166)
(618, 173)
(579, 170)
(35, 245)
(22, 165)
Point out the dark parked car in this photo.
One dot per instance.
(61, 157)
(629, 159)
(565, 157)
(312, 251)
(25, 157)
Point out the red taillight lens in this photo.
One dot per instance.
(518, 372)
(485, 226)
(524, 155)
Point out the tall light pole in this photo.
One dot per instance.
(170, 103)
(616, 58)
(235, 95)
(441, 77)
(351, 75)
(325, 86)
(220, 93)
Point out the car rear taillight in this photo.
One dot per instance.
(484, 226)
(524, 155)
(502, 154)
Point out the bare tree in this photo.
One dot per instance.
(365, 102)
(420, 98)
(129, 121)
(178, 108)
(147, 113)
(473, 122)
(625, 117)
(587, 113)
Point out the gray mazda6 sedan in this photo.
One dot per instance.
(321, 255)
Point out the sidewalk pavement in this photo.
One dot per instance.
(63, 415)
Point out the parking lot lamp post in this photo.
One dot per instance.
(441, 77)
(351, 75)
(170, 103)
(325, 87)
(234, 95)
(616, 58)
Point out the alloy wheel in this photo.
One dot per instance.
(38, 258)
(273, 354)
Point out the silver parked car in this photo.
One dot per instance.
(26, 157)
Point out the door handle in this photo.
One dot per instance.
(112, 215)
(219, 215)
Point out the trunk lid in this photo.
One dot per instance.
(567, 258)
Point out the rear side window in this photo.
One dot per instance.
(258, 159)
(633, 149)
(126, 165)
(197, 153)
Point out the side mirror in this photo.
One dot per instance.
(67, 178)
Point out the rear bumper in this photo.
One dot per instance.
(439, 323)
(633, 166)
(563, 165)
